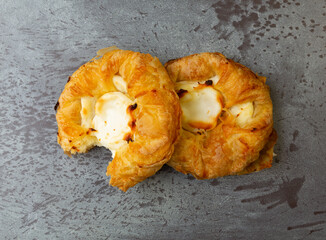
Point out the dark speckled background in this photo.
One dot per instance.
(46, 195)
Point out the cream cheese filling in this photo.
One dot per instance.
(111, 120)
(201, 104)
(119, 83)
(242, 112)
(109, 117)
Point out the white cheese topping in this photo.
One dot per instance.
(201, 105)
(242, 112)
(119, 83)
(111, 119)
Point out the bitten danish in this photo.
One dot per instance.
(124, 101)
(227, 117)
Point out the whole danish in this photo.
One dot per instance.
(227, 117)
(124, 101)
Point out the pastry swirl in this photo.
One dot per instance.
(241, 138)
(151, 117)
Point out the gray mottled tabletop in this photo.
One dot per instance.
(46, 195)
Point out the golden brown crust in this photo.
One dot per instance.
(156, 118)
(228, 148)
(265, 156)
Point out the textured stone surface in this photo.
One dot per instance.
(46, 195)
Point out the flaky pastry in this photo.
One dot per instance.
(227, 117)
(124, 101)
